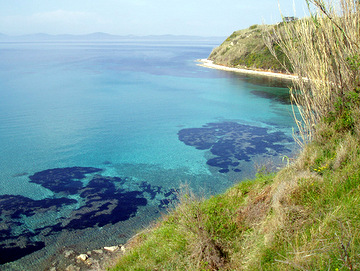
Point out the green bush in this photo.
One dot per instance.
(261, 58)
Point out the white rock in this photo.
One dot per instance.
(111, 249)
(82, 257)
(68, 253)
(122, 248)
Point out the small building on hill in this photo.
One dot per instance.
(290, 19)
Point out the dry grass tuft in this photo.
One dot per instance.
(345, 151)
(204, 251)
(324, 49)
(254, 212)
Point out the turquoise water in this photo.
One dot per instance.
(120, 108)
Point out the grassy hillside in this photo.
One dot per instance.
(306, 216)
(246, 49)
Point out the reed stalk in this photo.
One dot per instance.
(324, 52)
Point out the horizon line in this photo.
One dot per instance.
(106, 34)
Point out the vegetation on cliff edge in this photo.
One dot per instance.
(304, 217)
(246, 49)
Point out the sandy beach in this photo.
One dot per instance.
(209, 64)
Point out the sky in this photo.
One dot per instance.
(141, 17)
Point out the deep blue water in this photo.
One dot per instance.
(96, 138)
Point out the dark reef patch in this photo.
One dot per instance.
(283, 97)
(15, 240)
(104, 204)
(13, 253)
(16, 206)
(231, 142)
(103, 201)
(63, 179)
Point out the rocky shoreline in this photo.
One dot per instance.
(98, 259)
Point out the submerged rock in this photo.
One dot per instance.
(11, 252)
(100, 201)
(82, 257)
(112, 248)
(63, 179)
(231, 142)
(68, 253)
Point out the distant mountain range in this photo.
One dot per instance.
(100, 36)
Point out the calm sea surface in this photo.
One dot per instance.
(96, 138)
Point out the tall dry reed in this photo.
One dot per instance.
(324, 52)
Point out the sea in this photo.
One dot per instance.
(99, 138)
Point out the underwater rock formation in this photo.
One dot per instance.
(231, 142)
(102, 200)
(63, 179)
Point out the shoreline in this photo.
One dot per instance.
(210, 64)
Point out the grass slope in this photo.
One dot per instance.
(305, 217)
(246, 49)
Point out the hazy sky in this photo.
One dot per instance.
(140, 17)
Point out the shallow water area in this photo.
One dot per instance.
(97, 137)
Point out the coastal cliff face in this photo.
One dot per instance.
(246, 49)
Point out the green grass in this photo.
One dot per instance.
(197, 235)
(322, 220)
(261, 58)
